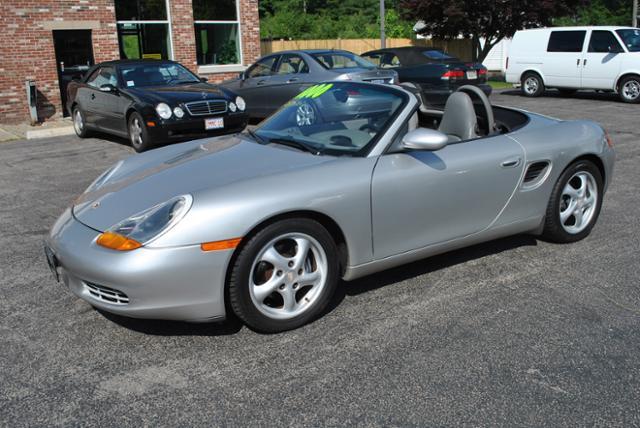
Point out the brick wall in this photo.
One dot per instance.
(27, 51)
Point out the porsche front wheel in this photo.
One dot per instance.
(284, 276)
(575, 203)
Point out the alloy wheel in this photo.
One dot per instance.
(531, 85)
(305, 115)
(631, 90)
(135, 132)
(288, 275)
(578, 202)
(78, 123)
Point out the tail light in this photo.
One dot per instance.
(482, 72)
(453, 74)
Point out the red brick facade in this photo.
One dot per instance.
(27, 49)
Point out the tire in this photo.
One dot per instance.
(298, 289)
(532, 85)
(138, 133)
(79, 123)
(629, 89)
(566, 92)
(562, 225)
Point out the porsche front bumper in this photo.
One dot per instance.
(177, 283)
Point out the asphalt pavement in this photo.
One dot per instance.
(516, 332)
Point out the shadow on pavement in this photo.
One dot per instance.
(580, 95)
(359, 286)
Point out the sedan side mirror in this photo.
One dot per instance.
(242, 76)
(424, 139)
(108, 87)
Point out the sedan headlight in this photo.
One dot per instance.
(164, 111)
(240, 103)
(144, 227)
(178, 112)
(233, 107)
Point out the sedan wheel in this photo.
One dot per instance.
(284, 275)
(305, 115)
(575, 203)
(138, 133)
(78, 123)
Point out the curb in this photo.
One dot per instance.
(53, 132)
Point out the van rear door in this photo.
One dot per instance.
(562, 66)
(601, 63)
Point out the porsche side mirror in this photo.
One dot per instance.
(424, 139)
(108, 88)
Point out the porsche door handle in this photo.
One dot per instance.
(93, 96)
(510, 163)
(261, 82)
(293, 79)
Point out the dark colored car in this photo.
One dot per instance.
(152, 102)
(434, 71)
(276, 78)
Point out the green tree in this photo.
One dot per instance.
(491, 21)
(600, 12)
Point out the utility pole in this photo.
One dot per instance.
(634, 20)
(383, 41)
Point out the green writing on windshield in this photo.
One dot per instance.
(314, 91)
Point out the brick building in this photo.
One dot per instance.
(52, 41)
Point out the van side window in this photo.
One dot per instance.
(566, 41)
(604, 42)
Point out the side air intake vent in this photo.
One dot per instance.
(534, 171)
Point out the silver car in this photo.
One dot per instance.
(276, 78)
(345, 180)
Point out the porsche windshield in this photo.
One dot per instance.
(333, 118)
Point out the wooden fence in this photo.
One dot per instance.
(459, 47)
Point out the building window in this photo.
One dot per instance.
(143, 29)
(217, 32)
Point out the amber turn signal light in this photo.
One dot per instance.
(115, 241)
(227, 244)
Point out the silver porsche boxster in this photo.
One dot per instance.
(345, 180)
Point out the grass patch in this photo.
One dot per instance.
(500, 85)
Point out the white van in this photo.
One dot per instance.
(572, 58)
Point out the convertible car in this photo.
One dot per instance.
(345, 180)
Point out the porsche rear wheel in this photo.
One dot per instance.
(575, 203)
(284, 276)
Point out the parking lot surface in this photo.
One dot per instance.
(514, 332)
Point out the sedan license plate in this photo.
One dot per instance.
(214, 123)
(472, 75)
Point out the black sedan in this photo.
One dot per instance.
(436, 73)
(152, 102)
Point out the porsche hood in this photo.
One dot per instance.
(145, 180)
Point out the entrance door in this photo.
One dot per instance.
(74, 56)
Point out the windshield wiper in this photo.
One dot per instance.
(295, 144)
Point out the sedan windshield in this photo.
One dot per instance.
(161, 74)
(338, 118)
(631, 39)
(333, 60)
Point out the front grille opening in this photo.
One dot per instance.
(106, 294)
(534, 171)
(203, 108)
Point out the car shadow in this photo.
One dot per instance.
(427, 265)
(363, 285)
(579, 95)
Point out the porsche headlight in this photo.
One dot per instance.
(233, 107)
(164, 111)
(144, 227)
(103, 178)
(240, 103)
